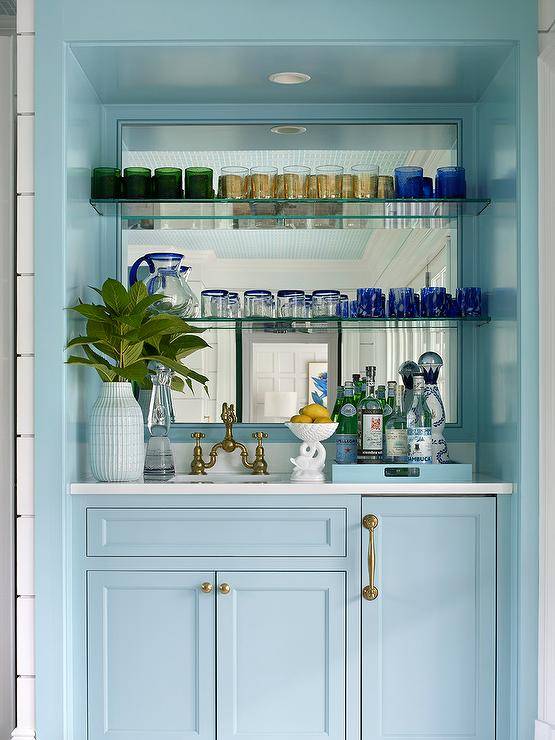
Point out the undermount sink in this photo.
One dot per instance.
(226, 478)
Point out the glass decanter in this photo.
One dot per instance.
(159, 463)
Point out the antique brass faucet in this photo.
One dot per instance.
(259, 466)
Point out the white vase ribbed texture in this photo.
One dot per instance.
(116, 435)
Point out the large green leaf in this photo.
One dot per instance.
(132, 353)
(115, 296)
(184, 346)
(137, 372)
(103, 370)
(91, 311)
(136, 294)
(160, 325)
(178, 368)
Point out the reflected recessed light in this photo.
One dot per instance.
(288, 129)
(289, 78)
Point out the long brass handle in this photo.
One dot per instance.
(370, 522)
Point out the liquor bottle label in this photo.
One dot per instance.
(420, 444)
(348, 409)
(346, 449)
(396, 443)
(372, 433)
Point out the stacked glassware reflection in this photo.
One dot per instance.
(430, 302)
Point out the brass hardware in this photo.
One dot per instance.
(224, 588)
(370, 522)
(259, 466)
(206, 587)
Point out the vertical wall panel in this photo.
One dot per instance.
(25, 234)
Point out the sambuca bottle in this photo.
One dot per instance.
(419, 425)
(370, 423)
(346, 435)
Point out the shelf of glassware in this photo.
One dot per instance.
(333, 323)
(361, 213)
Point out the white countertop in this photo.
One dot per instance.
(281, 485)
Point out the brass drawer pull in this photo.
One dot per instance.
(370, 522)
(225, 588)
(206, 587)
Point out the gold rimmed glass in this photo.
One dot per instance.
(263, 182)
(296, 181)
(365, 180)
(329, 181)
(233, 182)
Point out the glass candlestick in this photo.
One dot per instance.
(159, 463)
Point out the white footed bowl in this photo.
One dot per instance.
(312, 432)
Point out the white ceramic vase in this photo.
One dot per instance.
(116, 435)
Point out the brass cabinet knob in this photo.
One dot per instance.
(206, 587)
(225, 588)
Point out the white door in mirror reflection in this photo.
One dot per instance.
(278, 367)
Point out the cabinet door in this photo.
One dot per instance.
(150, 656)
(281, 656)
(429, 635)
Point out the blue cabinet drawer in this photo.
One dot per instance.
(271, 532)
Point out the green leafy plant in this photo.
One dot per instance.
(124, 338)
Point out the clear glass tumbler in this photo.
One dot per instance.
(325, 303)
(215, 303)
(291, 304)
(258, 304)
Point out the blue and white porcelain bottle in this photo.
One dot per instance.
(431, 363)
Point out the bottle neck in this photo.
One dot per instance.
(369, 387)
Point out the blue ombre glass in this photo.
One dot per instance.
(409, 182)
(433, 302)
(370, 302)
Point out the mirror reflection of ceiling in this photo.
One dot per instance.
(383, 256)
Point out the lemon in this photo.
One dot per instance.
(301, 419)
(323, 420)
(315, 411)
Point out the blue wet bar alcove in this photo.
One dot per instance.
(235, 607)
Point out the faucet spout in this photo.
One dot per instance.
(258, 466)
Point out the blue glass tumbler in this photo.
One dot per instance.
(433, 302)
(353, 309)
(401, 303)
(427, 187)
(343, 306)
(408, 182)
(369, 302)
(470, 301)
(450, 182)
(452, 307)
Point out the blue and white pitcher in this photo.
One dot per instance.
(169, 277)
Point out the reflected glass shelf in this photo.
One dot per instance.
(334, 324)
(360, 213)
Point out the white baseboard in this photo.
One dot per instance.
(544, 731)
(23, 733)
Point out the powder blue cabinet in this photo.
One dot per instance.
(279, 646)
(428, 638)
(151, 650)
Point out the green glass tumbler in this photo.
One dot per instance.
(136, 182)
(198, 183)
(167, 183)
(105, 183)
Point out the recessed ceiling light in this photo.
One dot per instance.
(288, 129)
(289, 78)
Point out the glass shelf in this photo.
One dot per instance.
(333, 324)
(294, 214)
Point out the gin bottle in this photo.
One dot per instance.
(396, 441)
(370, 423)
(346, 435)
(419, 425)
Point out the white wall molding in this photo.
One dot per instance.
(546, 668)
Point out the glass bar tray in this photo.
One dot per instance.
(333, 324)
(283, 213)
